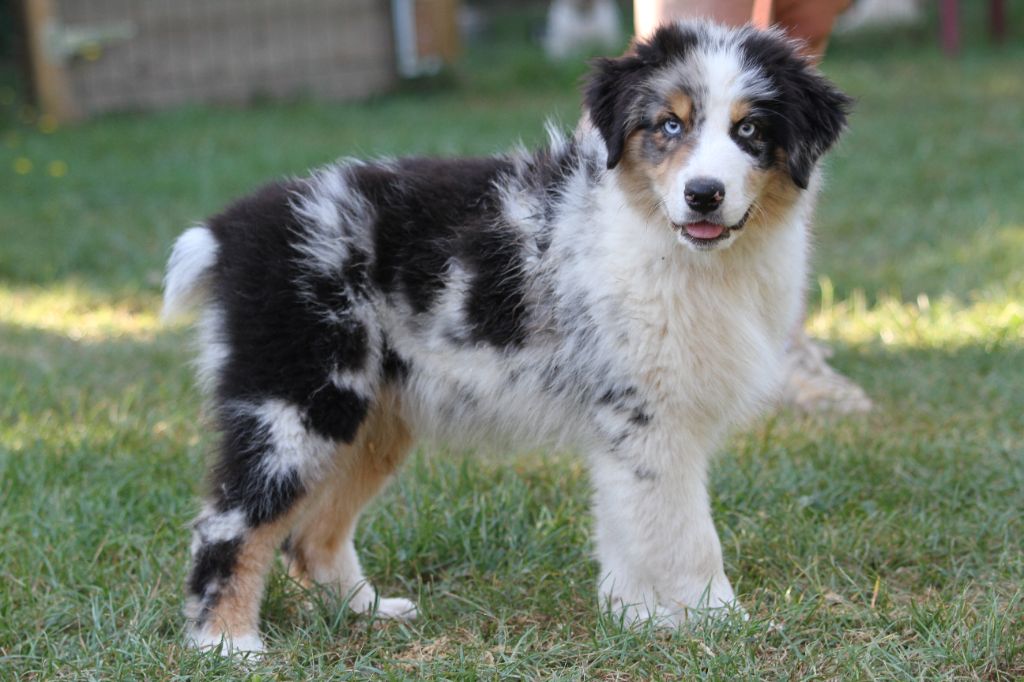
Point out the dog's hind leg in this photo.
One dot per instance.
(268, 462)
(320, 549)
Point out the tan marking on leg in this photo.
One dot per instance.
(236, 612)
(361, 471)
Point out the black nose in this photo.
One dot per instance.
(704, 194)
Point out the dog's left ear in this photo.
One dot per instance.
(611, 89)
(815, 117)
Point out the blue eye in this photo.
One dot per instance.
(746, 130)
(672, 127)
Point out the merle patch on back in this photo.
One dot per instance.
(282, 344)
(424, 209)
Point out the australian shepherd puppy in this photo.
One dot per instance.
(627, 292)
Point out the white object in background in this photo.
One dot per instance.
(866, 13)
(407, 53)
(576, 24)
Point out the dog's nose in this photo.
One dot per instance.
(704, 194)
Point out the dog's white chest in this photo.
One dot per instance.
(706, 339)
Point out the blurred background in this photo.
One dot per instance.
(884, 541)
(123, 120)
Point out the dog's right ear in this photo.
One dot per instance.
(612, 90)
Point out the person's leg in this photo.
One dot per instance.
(810, 22)
(649, 14)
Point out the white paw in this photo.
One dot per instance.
(639, 607)
(674, 616)
(637, 615)
(250, 645)
(364, 600)
(395, 608)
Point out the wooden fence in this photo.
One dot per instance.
(91, 56)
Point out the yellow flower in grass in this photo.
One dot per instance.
(57, 169)
(47, 124)
(23, 165)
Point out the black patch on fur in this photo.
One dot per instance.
(614, 94)
(238, 477)
(644, 474)
(762, 145)
(495, 304)
(425, 208)
(357, 271)
(624, 400)
(808, 113)
(284, 341)
(212, 566)
(336, 413)
(617, 441)
(549, 171)
(639, 418)
(616, 395)
(432, 213)
(610, 95)
(287, 329)
(394, 367)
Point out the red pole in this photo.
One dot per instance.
(949, 21)
(997, 20)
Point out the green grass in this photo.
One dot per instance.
(882, 547)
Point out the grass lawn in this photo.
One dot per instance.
(879, 547)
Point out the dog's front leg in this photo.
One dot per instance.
(659, 552)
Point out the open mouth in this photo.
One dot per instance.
(706, 232)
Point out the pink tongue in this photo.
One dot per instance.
(704, 230)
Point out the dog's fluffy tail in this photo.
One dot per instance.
(188, 271)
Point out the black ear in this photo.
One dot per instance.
(816, 116)
(809, 112)
(612, 90)
(615, 89)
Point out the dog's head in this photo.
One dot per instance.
(714, 128)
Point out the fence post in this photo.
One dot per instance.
(49, 80)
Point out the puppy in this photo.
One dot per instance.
(627, 292)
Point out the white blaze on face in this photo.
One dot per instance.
(716, 155)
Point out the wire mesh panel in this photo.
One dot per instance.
(146, 54)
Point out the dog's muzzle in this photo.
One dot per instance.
(707, 233)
